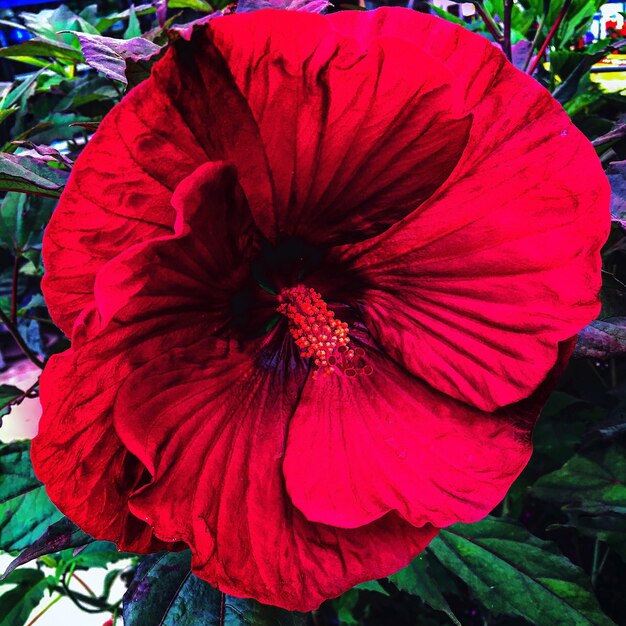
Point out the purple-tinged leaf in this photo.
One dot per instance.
(185, 30)
(618, 132)
(602, 339)
(161, 11)
(109, 55)
(32, 175)
(46, 153)
(164, 592)
(59, 536)
(520, 52)
(616, 173)
(311, 6)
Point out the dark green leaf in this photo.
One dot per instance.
(164, 592)
(372, 585)
(592, 483)
(29, 175)
(568, 88)
(8, 396)
(345, 605)
(59, 536)
(18, 603)
(416, 580)
(513, 572)
(22, 222)
(608, 528)
(25, 509)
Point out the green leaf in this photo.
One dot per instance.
(569, 87)
(6, 112)
(164, 592)
(372, 585)
(196, 5)
(8, 396)
(416, 580)
(345, 605)
(30, 175)
(18, 603)
(592, 483)
(103, 23)
(16, 93)
(513, 572)
(61, 535)
(133, 29)
(608, 528)
(98, 554)
(38, 47)
(22, 222)
(25, 509)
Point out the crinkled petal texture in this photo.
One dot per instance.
(458, 216)
(200, 421)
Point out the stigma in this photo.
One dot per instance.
(320, 335)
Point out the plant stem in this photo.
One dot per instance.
(25, 394)
(14, 290)
(19, 340)
(548, 39)
(598, 563)
(506, 19)
(43, 611)
(84, 585)
(529, 56)
(490, 23)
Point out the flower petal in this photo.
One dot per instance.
(166, 292)
(360, 447)
(87, 471)
(475, 289)
(357, 133)
(473, 63)
(123, 181)
(209, 421)
(198, 269)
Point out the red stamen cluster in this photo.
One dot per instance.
(319, 334)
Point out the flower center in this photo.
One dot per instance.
(319, 334)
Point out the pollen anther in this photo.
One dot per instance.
(319, 334)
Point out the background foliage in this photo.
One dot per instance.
(551, 554)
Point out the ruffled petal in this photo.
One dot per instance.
(120, 190)
(87, 471)
(195, 272)
(209, 421)
(357, 132)
(170, 291)
(476, 288)
(360, 447)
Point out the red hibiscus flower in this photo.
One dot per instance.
(319, 273)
